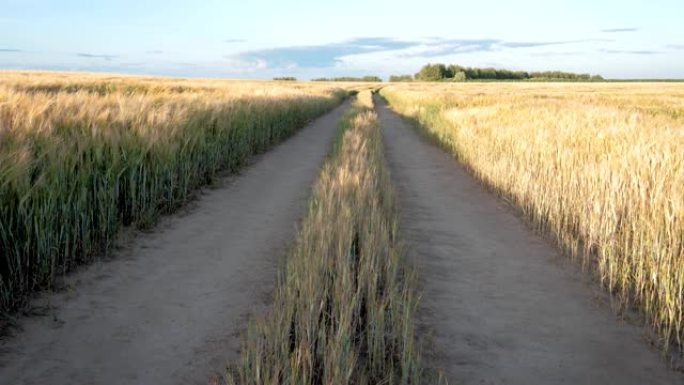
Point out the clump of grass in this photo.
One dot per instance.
(81, 156)
(601, 167)
(343, 308)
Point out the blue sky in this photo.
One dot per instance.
(262, 39)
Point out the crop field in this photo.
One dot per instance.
(340, 232)
(598, 166)
(82, 156)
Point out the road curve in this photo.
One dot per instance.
(170, 308)
(498, 304)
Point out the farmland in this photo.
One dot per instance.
(333, 232)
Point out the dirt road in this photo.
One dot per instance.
(170, 309)
(499, 303)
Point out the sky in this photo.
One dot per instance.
(307, 39)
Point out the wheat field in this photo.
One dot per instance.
(83, 155)
(600, 167)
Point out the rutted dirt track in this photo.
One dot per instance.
(169, 310)
(498, 305)
(497, 301)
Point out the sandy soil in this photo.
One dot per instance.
(170, 309)
(499, 305)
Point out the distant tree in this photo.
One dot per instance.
(432, 73)
(459, 77)
(371, 79)
(487, 73)
(559, 75)
(285, 78)
(521, 75)
(453, 70)
(472, 73)
(401, 78)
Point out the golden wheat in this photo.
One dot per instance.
(600, 166)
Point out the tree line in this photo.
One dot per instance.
(453, 72)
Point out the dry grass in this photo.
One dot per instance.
(599, 166)
(343, 308)
(81, 155)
